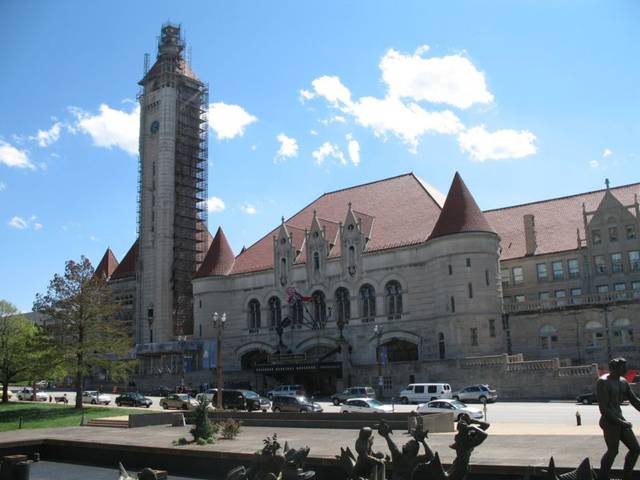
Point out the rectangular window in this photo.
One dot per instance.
(576, 296)
(453, 305)
(613, 234)
(543, 296)
(596, 239)
(561, 297)
(468, 262)
(519, 298)
(387, 382)
(474, 336)
(486, 277)
(450, 270)
(504, 276)
(635, 286)
(631, 232)
(492, 328)
(518, 276)
(599, 263)
(574, 269)
(200, 330)
(541, 268)
(616, 262)
(603, 288)
(470, 288)
(619, 287)
(634, 259)
(558, 272)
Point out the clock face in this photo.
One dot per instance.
(155, 126)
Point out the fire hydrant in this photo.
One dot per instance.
(578, 419)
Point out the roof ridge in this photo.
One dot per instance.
(561, 198)
(367, 183)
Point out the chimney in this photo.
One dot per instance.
(529, 234)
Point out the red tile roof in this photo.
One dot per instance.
(219, 259)
(460, 212)
(557, 221)
(107, 265)
(127, 267)
(394, 212)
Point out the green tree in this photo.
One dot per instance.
(85, 328)
(16, 332)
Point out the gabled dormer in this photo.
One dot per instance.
(317, 250)
(283, 255)
(610, 223)
(352, 245)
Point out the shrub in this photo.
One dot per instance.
(181, 441)
(203, 428)
(229, 428)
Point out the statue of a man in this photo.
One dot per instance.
(404, 461)
(611, 390)
(368, 461)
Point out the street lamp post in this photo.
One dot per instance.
(218, 326)
(377, 331)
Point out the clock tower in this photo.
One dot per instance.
(172, 192)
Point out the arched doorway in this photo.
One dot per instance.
(250, 359)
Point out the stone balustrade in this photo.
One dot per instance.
(551, 364)
(569, 302)
(579, 371)
(485, 361)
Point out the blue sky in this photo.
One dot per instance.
(528, 100)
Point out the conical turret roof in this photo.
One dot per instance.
(219, 259)
(127, 268)
(107, 265)
(460, 212)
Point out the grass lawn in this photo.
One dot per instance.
(46, 415)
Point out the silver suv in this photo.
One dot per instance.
(286, 391)
(476, 393)
(353, 392)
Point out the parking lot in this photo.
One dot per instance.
(535, 413)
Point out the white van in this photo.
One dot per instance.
(424, 392)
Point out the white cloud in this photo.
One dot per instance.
(111, 127)
(37, 226)
(18, 223)
(93, 238)
(354, 149)
(499, 145)
(306, 95)
(313, 132)
(326, 150)
(3, 186)
(332, 89)
(606, 153)
(215, 204)
(288, 148)
(248, 209)
(229, 121)
(594, 164)
(48, 137)
(451, 79)
(13, 157)
(408, 122)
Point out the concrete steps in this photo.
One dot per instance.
(108, 422)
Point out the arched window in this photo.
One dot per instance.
(296, 313)
(622, 332)
(275, 312)
(441, 346)
(393, 294)
(249, 360)
(283, 271)
(254, 315)
(367, 303)
(343, 304)
(397, 350)
(319, 309)
(316, 262)
(594, 334)
(548, 337)
(351, 258)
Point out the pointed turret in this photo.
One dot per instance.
(107, 265)
(460, 213)
(219, 259)
(127, 267)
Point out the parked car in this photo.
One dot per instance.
(286, 391)
(449, 405)
(587, 398)
(42, 384)
(133, 399)
(364, 405)
(424, 392)
(353, 392)
(255, 401)
(476, 393)
(181, 401)
(26, 394)
(159, 391)
(95, 398)
(284, 403)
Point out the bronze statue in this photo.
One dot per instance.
(404, 462)
(611, 390)
(583, 472)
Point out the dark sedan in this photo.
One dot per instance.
(133, 400)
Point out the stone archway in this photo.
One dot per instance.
(250, 359)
